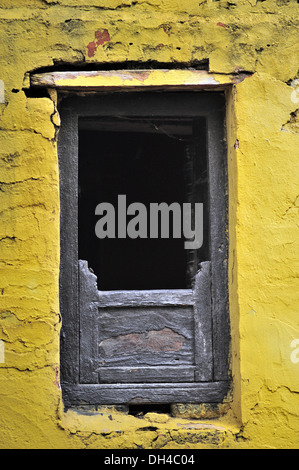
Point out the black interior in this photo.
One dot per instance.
(145, 161)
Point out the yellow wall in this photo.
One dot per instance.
(262, 136)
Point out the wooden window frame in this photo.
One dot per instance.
(80, 91)
(79, 296)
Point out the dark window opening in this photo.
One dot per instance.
(148, 161)
(142, 409)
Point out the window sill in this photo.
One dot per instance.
(151, 431)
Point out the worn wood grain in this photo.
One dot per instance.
(88, 324)
(212, 392)
(218, 196)
(146, 336)
(156, 374)
(124, 320)
(68, 276)
(145, 298)
(203, 344)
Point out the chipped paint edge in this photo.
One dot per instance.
(132, 79)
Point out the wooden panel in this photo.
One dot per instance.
(68, 279)
(146, 374)
(217, 163)
(109, 394)
(146, 104)
(88, 324)
(203, 324)
(145, 297)
(142, 336)
(133, 341)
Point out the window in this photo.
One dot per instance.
(145, 319)
(151, 161)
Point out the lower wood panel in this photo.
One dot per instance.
(151, 336)
(146, 374)
(109, 394)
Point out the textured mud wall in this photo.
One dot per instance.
(258, 37)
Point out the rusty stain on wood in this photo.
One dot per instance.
(152, 341)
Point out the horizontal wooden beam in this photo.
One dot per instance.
(113, 394)
(145, 374)
(141, 298)
(134, 79)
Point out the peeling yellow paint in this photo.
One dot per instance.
(132, 79)
(229, 38)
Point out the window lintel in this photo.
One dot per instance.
(176, 79)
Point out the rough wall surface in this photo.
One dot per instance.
(259, 37)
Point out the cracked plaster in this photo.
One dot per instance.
(256, 37)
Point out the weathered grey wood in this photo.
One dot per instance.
(107, 394)
(182, 127)
(148, 105)
(68, 281)
(203, 348)
(146, 336)
(173, 374)
(139, 319)
(217, 165)
(88, 282)
(88, 324)
(145, 298)
(189, 175)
